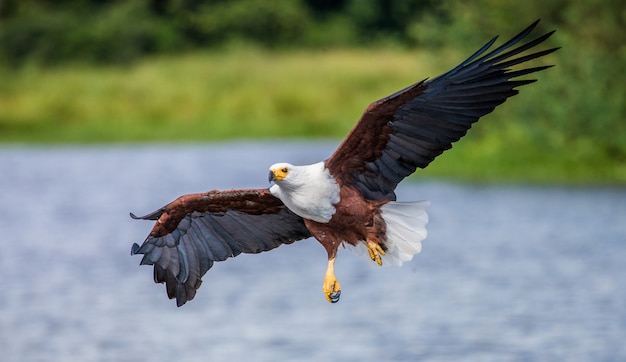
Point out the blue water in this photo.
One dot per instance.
(507, 273)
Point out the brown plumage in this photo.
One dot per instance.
(195, 230)
(349, 198)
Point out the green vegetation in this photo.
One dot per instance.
(185, 70)
(210, 96)
(118, 31)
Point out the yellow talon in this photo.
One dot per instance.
(375, 251)
(331, 287)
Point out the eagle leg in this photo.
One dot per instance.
(331, 287)
(375, 251)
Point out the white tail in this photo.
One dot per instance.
(406, 228)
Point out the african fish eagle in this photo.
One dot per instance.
(349, 198)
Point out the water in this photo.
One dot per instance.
(507, 273)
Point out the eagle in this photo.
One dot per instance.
(347, 199)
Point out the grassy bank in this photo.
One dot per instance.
(203, 97)
(260, 94)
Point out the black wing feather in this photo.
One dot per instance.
(421, 121)
(197, 230)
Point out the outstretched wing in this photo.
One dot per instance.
(411, 127)
(196, 230)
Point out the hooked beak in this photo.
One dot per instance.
(271, 177)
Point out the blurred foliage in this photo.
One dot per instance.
(581, 108)
(109, 31)
(577, 113)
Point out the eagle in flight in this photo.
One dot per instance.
(349, 198)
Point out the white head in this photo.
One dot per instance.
(280, 171)
(288, 176)
(309, 191)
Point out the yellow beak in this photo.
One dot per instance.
(277, 175)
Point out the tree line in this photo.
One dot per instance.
(117, 31)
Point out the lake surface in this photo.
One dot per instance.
(507, 273)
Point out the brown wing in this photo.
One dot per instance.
(196, 230)
(411, 127)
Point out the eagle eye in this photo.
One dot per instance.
(285, 170)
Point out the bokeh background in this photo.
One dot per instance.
(85, 71)
(112, 106)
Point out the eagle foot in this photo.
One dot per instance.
(331, 286)
(375, 251)
(332, 291)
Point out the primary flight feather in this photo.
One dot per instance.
(348, 198)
